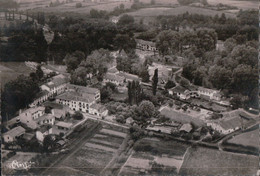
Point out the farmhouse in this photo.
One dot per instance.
(40, 98)
(180, 91)
(84, 90)
(98, 109)
(145, 45)
(29, 117)
(113, 78)
(128, 77)
(11, 135)
(65, 126)
(209, 93)
(43, 131)
(45, 119)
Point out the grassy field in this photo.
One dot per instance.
(249, 138)
(150, 153)
(203, 161)
(11, 70)
(176, 11)
(163, 2)
(246, 4)
(86, 7)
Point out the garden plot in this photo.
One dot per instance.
(113, 133)
(95, 154)
(148, 155)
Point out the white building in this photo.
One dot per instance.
(209, 93)
(146, 45)
(29, 116)
(11, 135)
(43, 131)
(98, 109)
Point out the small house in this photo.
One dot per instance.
(187, 128)
(13, 134)
(43, 131)
(98, 110)
(180, 91)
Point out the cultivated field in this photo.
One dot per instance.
(203, 161)
(11, 70)
(93, 156)
(247, 138)
(154, 156)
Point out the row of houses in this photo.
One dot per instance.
(194, 92)
(50, 89)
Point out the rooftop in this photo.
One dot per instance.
(179, 89)
(98, 107)
(17, 131)
(45, 117)
(34, 109)
(128, 76)
(64, 124)
(75, 96)
(145, 42)
(41, 94)
(208, 90)
(112, 70)
(186, 127)
(114, 77)
(83, 89)
(44, 128)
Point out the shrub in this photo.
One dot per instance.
(77, 115)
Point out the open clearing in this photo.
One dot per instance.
(154, 12)
(149, 152)
(86, 7)
(204, 161)
(247, 138)
(11, 70)
(237, 3)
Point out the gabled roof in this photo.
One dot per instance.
(41, 94)
(128, 76)
(44, 128)
(17, 131)
(75, 96)
(122, 53)
(208, 90)
(113, 77)
(100, 108)
(34, 109)
(83, 89)
(45, 117)
(112, 70)
(179, 89)
(64, 124)
(58, 112)
(187, 127)
(145, 42)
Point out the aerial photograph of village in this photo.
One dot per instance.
(129, 87)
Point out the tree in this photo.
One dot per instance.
(39, 72)
(169, 84)
(126, 20)
(17, 94)
(155, 81)
(78, 5)
(145, 74)
(48, 143)
(147, 109)
(77, 115)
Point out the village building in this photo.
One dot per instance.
(98, 110)
(64, 127)
(115, 19)
(231, 121)
(45, 119)
(181, 92)
(59, 114)
(145, 45)
(84, 90)
(29, 117)
(113, 78)
(209, 94)
(187, 128)
(13, 134)
(43, 131)
(54, 87)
